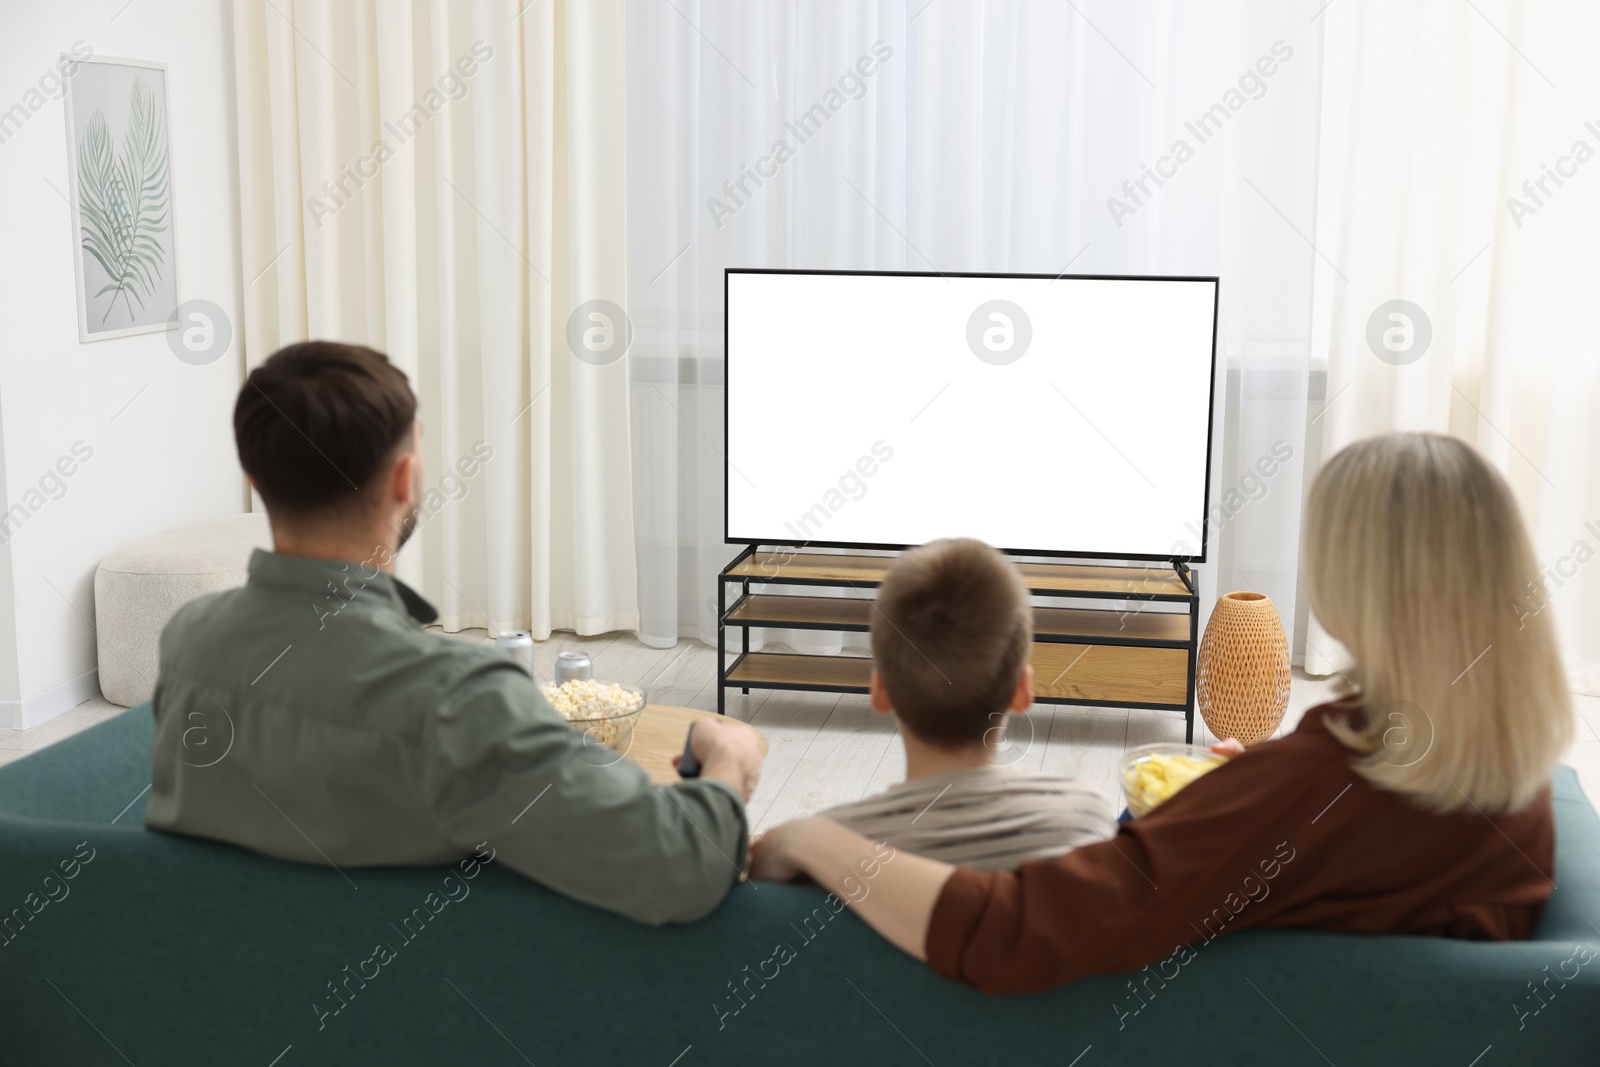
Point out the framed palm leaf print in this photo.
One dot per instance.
(119, 164)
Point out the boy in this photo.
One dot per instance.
(951, 633)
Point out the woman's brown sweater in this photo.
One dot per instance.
(1286, 834)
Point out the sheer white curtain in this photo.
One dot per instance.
(444, 181)
(1457, 157)
(1322, 159)
(987, 136)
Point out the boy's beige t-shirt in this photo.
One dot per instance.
(986, 818)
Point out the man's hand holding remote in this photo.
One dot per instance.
(729, 751)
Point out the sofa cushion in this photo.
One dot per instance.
(181, 951)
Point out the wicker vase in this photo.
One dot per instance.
(1242, 678)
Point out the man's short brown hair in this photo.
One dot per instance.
(318, 423)
(950, 637)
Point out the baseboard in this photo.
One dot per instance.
(31, 711)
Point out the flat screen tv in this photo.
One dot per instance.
(1047, 415)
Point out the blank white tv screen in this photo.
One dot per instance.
(1066, 416)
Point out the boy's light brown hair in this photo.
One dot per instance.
(950, 636)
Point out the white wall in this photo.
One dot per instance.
(167, 458)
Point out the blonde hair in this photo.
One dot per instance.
(1417, 561)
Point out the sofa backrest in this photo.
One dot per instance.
(171, 950)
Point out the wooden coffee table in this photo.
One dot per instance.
(659, 735)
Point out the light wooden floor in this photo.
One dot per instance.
(827, 749)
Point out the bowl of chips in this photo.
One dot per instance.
(606, 711)
(1153, 773)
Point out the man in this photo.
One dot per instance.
(309, 716)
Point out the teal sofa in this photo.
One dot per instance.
(163, 950)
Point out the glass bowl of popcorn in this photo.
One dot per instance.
(1153, 773)
(606, 711)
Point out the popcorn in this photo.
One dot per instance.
(594, 706)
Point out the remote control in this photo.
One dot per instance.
(688, 766)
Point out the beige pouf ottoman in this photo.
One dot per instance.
(137, 589)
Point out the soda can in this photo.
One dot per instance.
(573, 666)
(520, 644)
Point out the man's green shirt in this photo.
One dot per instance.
(309, 716)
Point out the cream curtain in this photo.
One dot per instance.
(444, 181)
(1457, 172)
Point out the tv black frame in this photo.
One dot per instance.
(1211, 413)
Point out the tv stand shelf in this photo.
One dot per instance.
(1087, 656)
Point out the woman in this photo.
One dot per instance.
(1418, 804)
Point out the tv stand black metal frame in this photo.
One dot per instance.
(1121, 677)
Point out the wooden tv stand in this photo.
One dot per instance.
(1087, 656)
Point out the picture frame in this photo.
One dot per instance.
(119, 171)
